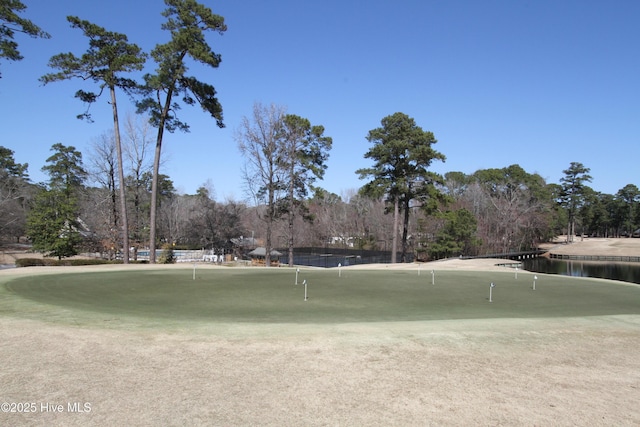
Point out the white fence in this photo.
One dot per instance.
(187, 256)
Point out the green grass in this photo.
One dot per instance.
(270, 296)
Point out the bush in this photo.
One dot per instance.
(29, 262)
(167, 256)
(49, 262)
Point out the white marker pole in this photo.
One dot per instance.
(194, 271)
(534, 282)
(516, 272)
(491, 292)
(419, 268)
(304, 282)
(339, 270)
(433, 277)
(297, 271)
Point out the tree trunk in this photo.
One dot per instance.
(405, 231)
(156, 178)
(394, 240)
(570, 228)
(270, 215)
(267, 244)
(114, 212)
(290, 239)
(123, 197)
(154, 200)
(291, 207)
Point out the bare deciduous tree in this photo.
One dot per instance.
(138, 150)
(103, 166)
(263, 174)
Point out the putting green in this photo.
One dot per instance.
(271, 296)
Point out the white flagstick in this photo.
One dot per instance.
(304, 282)
(194, 271)
(433, 277)
(516, 272)
(339, 270)
(297, 271)
(534, 282)
(491, 292)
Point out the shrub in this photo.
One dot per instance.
(49, 262)
(167, 256)
(29, 262)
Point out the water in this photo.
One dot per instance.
(626, 272)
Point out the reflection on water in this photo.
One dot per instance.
(627, 272)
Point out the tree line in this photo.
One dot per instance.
(488, 212)
(121, 200)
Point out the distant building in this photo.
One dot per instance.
(258, 256)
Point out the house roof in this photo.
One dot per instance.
(263, 251)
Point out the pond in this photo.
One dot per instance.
(626, 272)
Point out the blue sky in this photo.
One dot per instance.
(537, 83)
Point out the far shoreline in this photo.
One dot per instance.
(587, 246)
